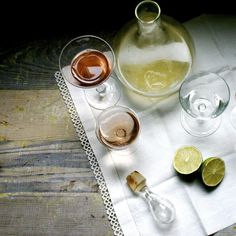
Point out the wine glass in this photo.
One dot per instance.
(88, 62)
(233, 112)
(203, 97)
(118, 127)
(233, 115)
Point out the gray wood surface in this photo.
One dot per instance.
(46, 185)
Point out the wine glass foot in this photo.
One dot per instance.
(199, 128)
(130, 150)
(104, 96)
(233, 117)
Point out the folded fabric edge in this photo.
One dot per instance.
(94, 165)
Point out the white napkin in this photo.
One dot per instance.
(198, 212)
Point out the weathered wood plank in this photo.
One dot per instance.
(34, 115)
(30, 65)
(41, 162)
(48, 214)
(45, 167)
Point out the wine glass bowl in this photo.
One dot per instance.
(203, 97)
(88, 62)
(118, 127)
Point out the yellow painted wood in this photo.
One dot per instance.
(34, 115)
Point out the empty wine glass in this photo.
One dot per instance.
(233, 97)
(117, 127)
(203, 97)
(88, 62)
(233, 115)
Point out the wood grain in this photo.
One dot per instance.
(46, 167)
(34, 115)
(46, 184)
(30, 65)
(45, 214)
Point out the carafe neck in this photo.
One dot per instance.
(149, 22)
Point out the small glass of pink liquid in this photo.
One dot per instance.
(118, 127)
(88, 62)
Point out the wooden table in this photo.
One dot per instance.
(46, 185)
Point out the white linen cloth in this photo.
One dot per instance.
(198, 211)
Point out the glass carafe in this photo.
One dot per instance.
(154, 53)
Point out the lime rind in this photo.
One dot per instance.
(187, 160)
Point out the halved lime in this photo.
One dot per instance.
(187, 160)
(212, 171)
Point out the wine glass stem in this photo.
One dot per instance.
(101, 89)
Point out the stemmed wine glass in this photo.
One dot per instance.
(203, 97)
(118, 127)
(88, 62)
(233, 112)
(233, 115)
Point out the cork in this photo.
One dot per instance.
(136, 181)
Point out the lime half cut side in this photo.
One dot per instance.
(187, 160)
(213, 171)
